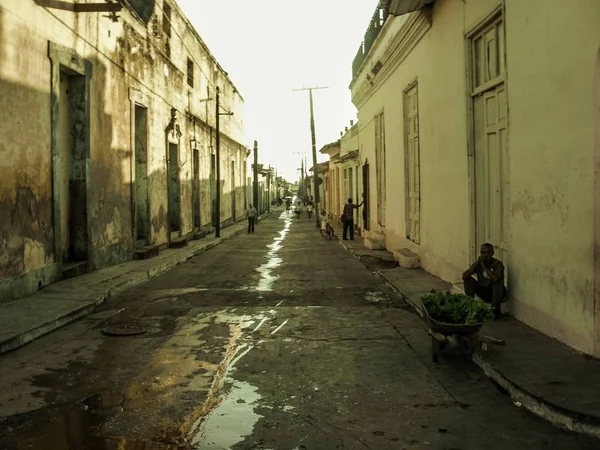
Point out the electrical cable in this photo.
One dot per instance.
(108, 57)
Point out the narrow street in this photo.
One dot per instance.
(277, 340)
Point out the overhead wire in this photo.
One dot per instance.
(190, 55)
(359, 131)
(108, 57)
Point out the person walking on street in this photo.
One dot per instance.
(309, 210)
(348, 218)
(251, 218)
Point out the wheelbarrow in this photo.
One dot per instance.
(464, 336)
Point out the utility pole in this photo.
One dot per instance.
(255, 186)
(269, 189)
(302, 190)
(218, 114)
(314, 152)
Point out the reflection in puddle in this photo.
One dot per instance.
(375, 297)
(104, 404)
(231, 421)
(267, 279)
(76, 430)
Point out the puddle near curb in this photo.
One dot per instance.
(233, 420)
(78, 429)
(267, 279)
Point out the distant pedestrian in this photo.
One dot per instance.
(348, 218)
(309, 210)
(251, 218)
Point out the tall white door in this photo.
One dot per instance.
(412, 164)
(490, 126)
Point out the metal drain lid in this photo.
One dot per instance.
(123, 330)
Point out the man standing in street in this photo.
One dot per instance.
(348, 218)
(489, 285)
(251, 218)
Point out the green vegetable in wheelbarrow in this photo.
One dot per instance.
(456, 308)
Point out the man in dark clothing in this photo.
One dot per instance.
(489, 285)
(348, 218)
(252, 213)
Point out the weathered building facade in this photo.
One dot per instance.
(345, 176)
(481, 124)
(108, 137)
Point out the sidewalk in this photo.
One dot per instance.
(541, 374)
(26, 319)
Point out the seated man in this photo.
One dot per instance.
(489, 285)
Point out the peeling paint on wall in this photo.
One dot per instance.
(130, 54)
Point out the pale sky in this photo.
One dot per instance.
(270, 47)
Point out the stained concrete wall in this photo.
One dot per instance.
(123, 57)
(551, 56)
(26, 234)
(442, 134)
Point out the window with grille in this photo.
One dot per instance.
(190, 72)
(167, 19)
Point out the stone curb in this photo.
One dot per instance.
(556, 415)
(20, 340)
(133, 278)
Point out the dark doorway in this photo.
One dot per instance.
(73, 162)
(366, 210)
(196, 189)
(142, 206)
(174, 189)
(233, 191)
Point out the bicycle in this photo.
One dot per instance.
(327, 231)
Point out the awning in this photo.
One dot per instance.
(399, 7)
(350, 155)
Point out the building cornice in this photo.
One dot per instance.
(409, 35)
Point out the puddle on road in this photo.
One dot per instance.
(267, 279)
(231, 421)
(376, 297)
(77, 429)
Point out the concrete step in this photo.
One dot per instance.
(374, 244)
(140, 243)
(179, 242)
(146, 252)
(74, 269)
(199, 234)
(407, 258)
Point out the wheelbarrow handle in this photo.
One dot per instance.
(491, 340)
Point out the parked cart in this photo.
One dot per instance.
(464, 336)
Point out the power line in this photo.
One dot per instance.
(108, 57)
(314, 148)
(208, 79)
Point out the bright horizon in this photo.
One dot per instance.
(268, 54)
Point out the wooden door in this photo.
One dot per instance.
(412, 164)
(490, 128)
(366, 192)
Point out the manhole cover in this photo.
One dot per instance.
(123, 330)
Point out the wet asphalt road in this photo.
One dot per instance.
(277, 340)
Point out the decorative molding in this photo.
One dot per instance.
(138, 97)
(405, 40)
(173, 130)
